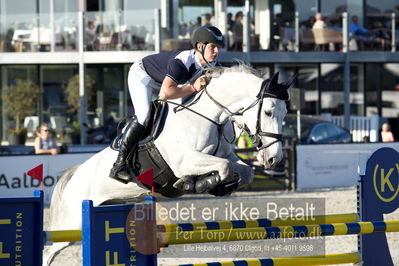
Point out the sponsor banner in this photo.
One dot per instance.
(14, 182)
(334, 165)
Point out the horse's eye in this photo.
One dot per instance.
(268, 113)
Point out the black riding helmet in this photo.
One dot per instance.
(207, 34)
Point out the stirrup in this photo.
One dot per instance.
(120, 173)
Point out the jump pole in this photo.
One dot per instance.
(274, 232)
(289, 261)
(76, 235)
(262, 222)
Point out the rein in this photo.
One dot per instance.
(256, 138)
(219, 126)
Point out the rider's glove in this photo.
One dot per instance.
(199, 84)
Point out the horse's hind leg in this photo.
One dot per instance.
(53, 250)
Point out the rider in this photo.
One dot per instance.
(175, 74)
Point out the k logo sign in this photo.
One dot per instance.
(381, 183)
(386, 181)
(379, 196)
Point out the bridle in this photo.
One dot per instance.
(255, 138)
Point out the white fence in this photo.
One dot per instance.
(360, 127)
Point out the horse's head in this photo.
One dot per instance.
(264, 121)
(261, 117)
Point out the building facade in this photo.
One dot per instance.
(55, 43)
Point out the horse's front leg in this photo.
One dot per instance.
(244, 171)
(202, 172)
(243, 175)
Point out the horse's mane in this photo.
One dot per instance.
(242, 67)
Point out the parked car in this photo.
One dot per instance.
(314, 130)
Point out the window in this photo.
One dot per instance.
(332, 89)
(331, 130)
(379, 11)
(382, 90)
(10, 75)
(390, 90)
(332, 11)
(306, 79)
(319, 132)
(56, 108)
(106, 97)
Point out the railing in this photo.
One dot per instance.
(140, 30)
(103, 31)
(362, 128)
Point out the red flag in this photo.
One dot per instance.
(147, 177)
(37, 172)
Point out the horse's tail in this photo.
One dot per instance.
(58, 192)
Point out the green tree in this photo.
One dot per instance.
(72, 91)
(20, 100)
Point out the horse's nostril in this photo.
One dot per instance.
(271, 162)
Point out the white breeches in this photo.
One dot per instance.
(140, 89)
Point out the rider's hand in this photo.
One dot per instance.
(200, 83)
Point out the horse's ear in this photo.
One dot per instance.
(271, 88)
(274, 80)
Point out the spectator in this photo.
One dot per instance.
(356, 29)
(309, 22)
(238, 31)
(386, 133)
(276, 32)
(194, 25)
(230, 21)
(358, 32)
(44, 142)
(91, 35)
(381, 35)
(208, 20)
(319, 23)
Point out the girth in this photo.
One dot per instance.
(147, 157)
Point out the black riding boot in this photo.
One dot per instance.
(130, 138)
